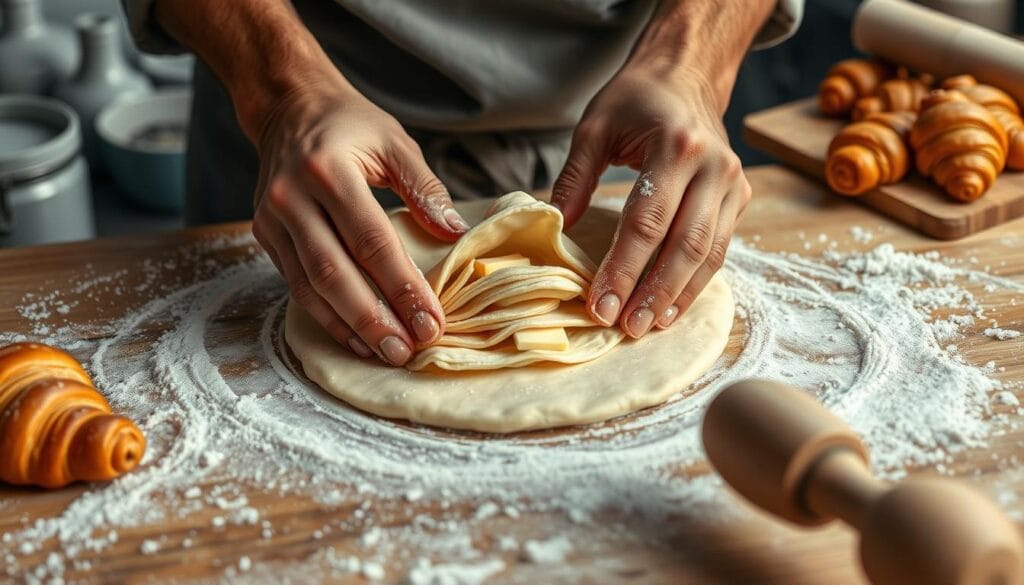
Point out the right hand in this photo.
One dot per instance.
(321, 149)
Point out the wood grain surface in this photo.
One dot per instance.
(748, 549)
(797, 134)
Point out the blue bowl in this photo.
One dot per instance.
(142, 142)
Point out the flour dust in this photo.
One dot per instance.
(873, 335)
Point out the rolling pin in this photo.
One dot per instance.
(929, 41)
(782, 450)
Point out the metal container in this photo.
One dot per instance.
(44, 180)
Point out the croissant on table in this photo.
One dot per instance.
(1002, 106)
(958, 143)
(893, 95)
(849, 80)
(869, 153)
(55, 428)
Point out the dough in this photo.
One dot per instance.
(548, 293)
(529, 391)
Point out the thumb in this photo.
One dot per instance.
(426, 197)
(578, 179)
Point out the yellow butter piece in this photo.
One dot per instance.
(485, 266)
(550, 338)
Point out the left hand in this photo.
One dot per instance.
(683, 208)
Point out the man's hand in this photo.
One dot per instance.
(321, 146)
(661, 114)
(316, 217)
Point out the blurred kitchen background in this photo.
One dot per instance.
(126, 173)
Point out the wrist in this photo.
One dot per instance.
(259, 50)
(702, 42)
(260, 99)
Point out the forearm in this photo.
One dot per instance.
(706, 38)
(259, 49)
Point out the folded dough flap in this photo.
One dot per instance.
(513, 272)
(516, 224)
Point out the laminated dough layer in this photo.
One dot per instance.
(628, 375)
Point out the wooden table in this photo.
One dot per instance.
(753, 549)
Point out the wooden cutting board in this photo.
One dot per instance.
(798, 135)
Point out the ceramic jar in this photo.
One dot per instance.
(44, 181)
(103, 77)
(34, 55)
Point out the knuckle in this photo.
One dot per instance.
(658, 291)
(317, 164)
(649, 223)
(302, 291)
(405, 295)
(365, 320)
(371, 245)
(746, 192)
(686, 298)
(619, 276)
(278, 194)
(732, 165)
(688, 144)
(323, 272)
(695, 243)
(716, 255)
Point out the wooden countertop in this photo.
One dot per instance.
(753, 549)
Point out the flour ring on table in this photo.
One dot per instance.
(622, 378)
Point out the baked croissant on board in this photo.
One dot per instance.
(959, 144)
(894, 95)
(849, 80)
(869, 153)
(1003, 107)
(55, 428)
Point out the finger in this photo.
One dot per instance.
(280, 248)
(685, 248)
(373, 244)
(333, 276)
(728, 219)
(424, 194)
(645, 221)
(576, 183)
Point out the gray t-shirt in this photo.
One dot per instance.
(501, 82)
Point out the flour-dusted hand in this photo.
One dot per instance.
(320, 150)
(322, 145)
(682, 209)
(661, 114)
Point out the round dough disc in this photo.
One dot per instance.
(636, 374)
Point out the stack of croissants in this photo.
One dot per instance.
(961, 133)
(55, 427)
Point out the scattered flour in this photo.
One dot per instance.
(552, 550)
(1002, 334)
(425, 573)
(870, 334)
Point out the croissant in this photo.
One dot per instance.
(958, 143)
(848, 81)
(1002, 106)
(55, 428)
(892, 96)
(869, 153)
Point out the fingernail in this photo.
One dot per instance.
(395, 350)
(640, 322)
(669, 316)
(607, 309)
(425, 326)
(357, 345)
(455, 220)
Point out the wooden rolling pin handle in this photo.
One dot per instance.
(840, 485)
(764, 438)
(786, 453)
